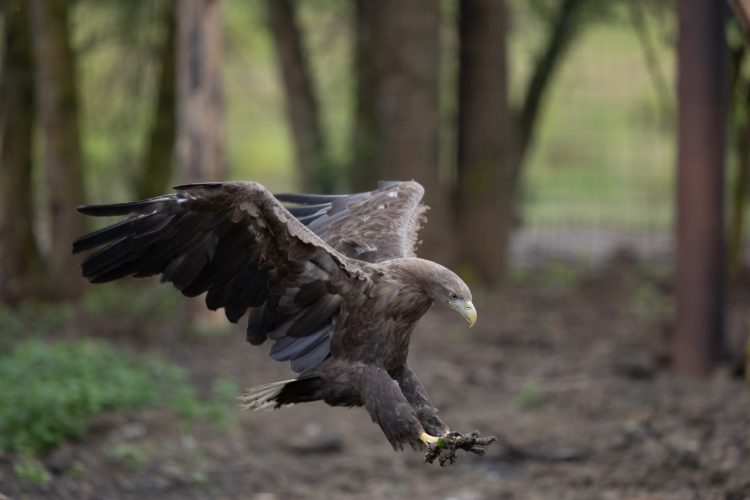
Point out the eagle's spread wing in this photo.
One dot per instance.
(373, 226)
(235, 241)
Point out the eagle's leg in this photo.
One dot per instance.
(441, 444)
(417, 396)
(386, 404)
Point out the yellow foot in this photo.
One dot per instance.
(427, 439)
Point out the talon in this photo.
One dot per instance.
(427, 439)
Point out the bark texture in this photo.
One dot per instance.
(19, 255)
(57, 101)
(398, 135)
(486, 185)
(158, 162)
(200, 99)
(200, 110)
(315, 169)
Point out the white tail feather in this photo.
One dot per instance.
(262, 397)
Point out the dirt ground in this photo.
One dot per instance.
(568, 371)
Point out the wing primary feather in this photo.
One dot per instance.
(107, 257)
(152, 221)
(307, 219)
(258, 324)
(192, 262)
(233, 245)
(305, 210)
(308, 199)
(252, 290)
(221, 295)
(124, 208)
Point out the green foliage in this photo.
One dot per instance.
(31, 471)
(49, 393)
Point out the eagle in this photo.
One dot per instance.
(331, 280)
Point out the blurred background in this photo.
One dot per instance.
(587, 166)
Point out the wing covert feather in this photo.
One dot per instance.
(374, 226)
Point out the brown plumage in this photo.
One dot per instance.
(332, 280)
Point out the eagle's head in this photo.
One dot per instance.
(448, 288)
(436, 282)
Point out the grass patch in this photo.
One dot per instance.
(50, 393)
(31, 471)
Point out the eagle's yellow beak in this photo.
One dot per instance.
(467, 310)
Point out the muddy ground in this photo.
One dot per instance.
(567, 369)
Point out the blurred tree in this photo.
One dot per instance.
(57, 100)
(491, 152)
(404, 115)
(200, 110)
(158, 162)
(485, 182)
(19, 256)
(200, 105)
(362, 172)
(316, 170)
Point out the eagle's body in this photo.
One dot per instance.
(332, 280)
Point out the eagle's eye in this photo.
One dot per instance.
(452, 296)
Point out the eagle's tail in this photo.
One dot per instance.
(283, 393)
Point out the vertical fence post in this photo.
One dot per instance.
(701, 80)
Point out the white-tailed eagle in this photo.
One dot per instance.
(331, 280)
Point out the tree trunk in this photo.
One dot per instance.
(493, 140)
(366, 69)
(199, 91)
(57, 100)
(158, 163)
(486, 180)
(200, 154)
(316, 171)
(406, 97)
(19, 256)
